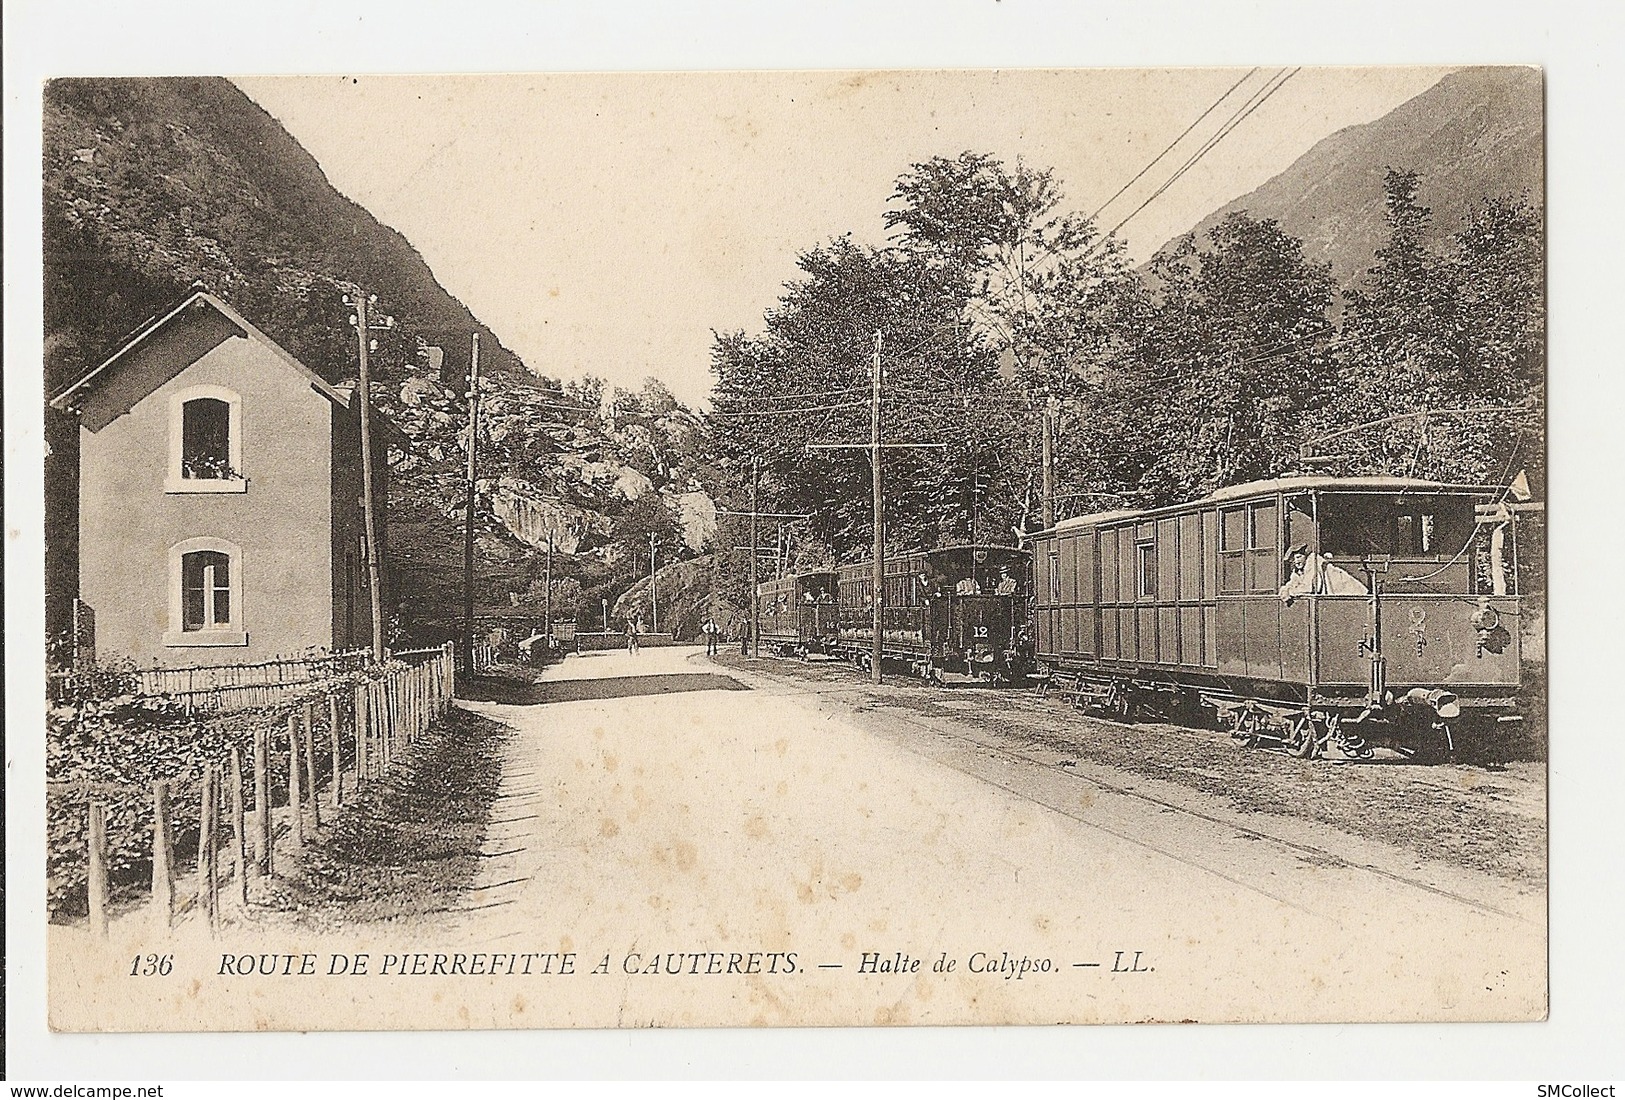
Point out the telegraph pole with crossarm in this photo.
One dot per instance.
(875, 446)
(755, 517)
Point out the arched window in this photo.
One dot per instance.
(205, 590)
(206, 438)
(205, 603)
(206, 442)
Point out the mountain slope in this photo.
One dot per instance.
(1475, 134)
(151, 184)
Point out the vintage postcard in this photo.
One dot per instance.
(795, 549)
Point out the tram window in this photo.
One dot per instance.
(1054, 578)
(1359, 525)
(1233, 530)
(1145, 571)
(1261, 526)
(1300, 521)
(1404, 534)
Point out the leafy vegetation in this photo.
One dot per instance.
(108, 743)
(1230, 357)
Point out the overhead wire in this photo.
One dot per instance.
(793, 396)
(1183, 134)
(1257, 100)
(788, 412)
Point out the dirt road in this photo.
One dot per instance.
(662, 811)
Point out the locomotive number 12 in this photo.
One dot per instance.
(978, 632)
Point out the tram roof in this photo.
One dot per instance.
(901, 555)
(1279, 485)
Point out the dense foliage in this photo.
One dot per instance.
(1229, 357)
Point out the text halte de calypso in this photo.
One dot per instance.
(520, 964)
(1003, 965)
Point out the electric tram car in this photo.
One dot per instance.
(954, 615)
(1321, 615)
(798, 616)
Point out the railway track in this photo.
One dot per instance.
(1049, 759)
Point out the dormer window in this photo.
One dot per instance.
(206, 442)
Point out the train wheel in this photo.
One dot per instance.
(1245, 729)
(1238, 732)
(1122, 707)
(1300, 740)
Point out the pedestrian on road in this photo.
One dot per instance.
(710, 631)
(631, 636)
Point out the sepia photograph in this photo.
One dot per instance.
(795, 548)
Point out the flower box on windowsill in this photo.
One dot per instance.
(205, 637)
(206, 485)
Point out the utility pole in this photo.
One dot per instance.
(757, 515)
(468, 513)
(755, 603)
(877, 576)
(364, 345)
(547, 600)
(654, 611)
(1049, 464)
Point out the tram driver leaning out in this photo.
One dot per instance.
(1314, 575)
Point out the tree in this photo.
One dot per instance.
(1036, 279)
(1227, 353)
(1440, 328)
(806, 379)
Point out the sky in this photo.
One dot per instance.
(607, 223)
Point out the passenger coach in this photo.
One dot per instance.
(798, 615)
(1324, 614)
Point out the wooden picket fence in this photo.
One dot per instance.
(371, 727)
(283, 670)
(221, 688)
(484, 655)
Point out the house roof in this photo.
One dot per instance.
(199, 296)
